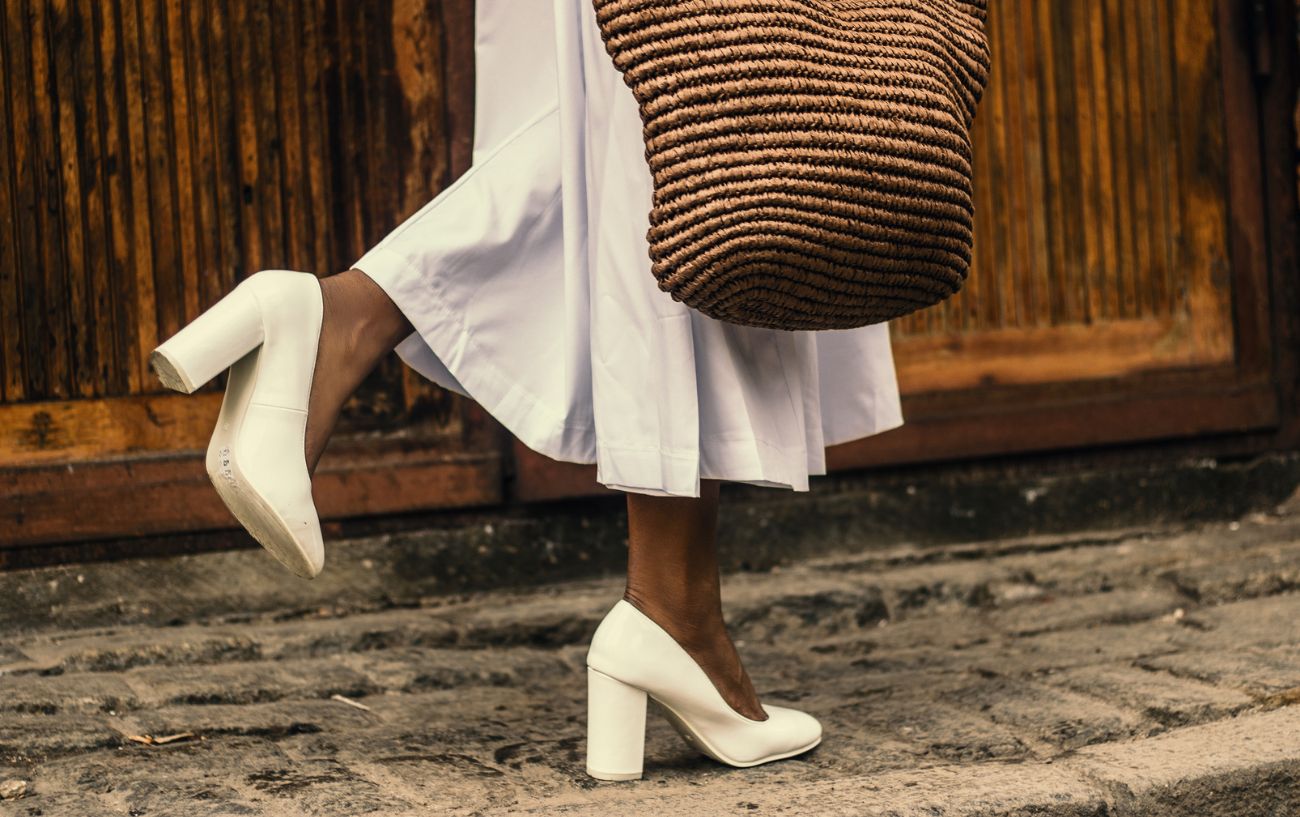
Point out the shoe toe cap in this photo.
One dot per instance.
(797, 727)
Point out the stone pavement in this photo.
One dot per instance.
(1131, 673)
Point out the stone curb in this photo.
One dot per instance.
(1248, 765)
(1101, 674)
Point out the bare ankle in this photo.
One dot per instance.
(374, 322)
(703, 634)
(359, 326)
(680, 614)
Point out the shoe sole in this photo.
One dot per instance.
(171, 374)
(244, 503)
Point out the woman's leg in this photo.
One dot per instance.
(672, 577)
(360, 325)
(672, 571)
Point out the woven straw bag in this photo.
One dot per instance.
(811, 158)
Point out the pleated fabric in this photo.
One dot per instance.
(529, 286)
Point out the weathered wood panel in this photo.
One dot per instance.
(1101, 194)
(157, 151)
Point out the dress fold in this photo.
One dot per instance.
(528, 284)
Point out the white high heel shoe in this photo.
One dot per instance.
(266, 331)
(632, 658)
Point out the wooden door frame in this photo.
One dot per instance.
(1258, 394)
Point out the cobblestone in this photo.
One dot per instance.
(1144, 673)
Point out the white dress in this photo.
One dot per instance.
(528, 283)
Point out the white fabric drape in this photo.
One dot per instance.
(528, 283)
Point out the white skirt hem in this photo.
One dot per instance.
(443, 350)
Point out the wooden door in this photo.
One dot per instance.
(1119, 290)
(153, 153)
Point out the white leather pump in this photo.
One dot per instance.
(266, 331)
(632, 658)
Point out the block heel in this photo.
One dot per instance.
(615, 728)
(632, 660)
(211, 343)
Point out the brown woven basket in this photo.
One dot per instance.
(811, 158)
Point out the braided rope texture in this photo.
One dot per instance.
(811, 158)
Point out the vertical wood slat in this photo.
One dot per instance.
(997, 172)
(193, 26)
(240, 45)
(315, 144)
(1090, 59)
(370, 120)
(287, 68)
(1138, 156)
(1030, 155)
(268, 145)
(181, 117)
(158, 173)
(64, 27)
(983, 296)
(139, 276)
(340, 115)
(1155, 124)
(1063, 299)
(118, 246)
(105, 315)
(1203, 251)
(1173, 195)
(226, 190)
(1012, 158)
(1071, 152)
(13, 385)
(1124, 269)
(46, 318)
